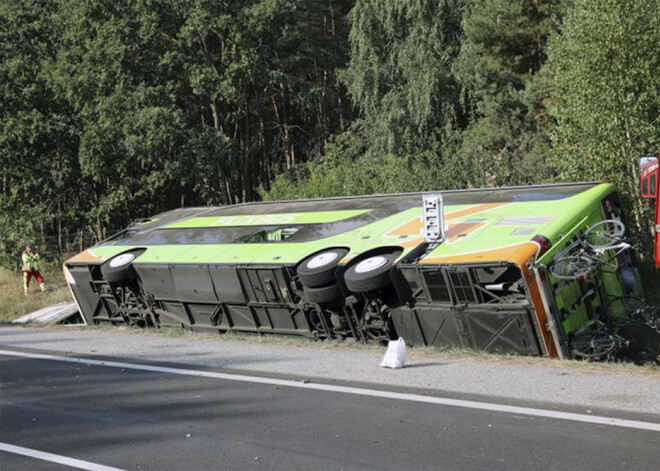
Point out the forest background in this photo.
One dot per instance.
(111, 110)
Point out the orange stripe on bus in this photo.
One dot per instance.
(472, 210)
(522, 258)
(460, 230)
(84, 256)
(414, 226)
(500, 254)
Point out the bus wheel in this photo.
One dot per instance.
(370, 274)
(319, 270)
(119, 268)
(331, 294)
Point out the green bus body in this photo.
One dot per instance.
(238, 268)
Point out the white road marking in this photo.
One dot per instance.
(42, 455)
(443, 401)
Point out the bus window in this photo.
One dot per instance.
(648, 174)
(653, 183)
(649, 183)
(277, 234)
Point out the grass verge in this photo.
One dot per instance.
(419, 353)
(14, 304)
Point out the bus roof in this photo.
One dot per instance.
(549, 192)
(287, 231)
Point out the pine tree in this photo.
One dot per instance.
(503, 52)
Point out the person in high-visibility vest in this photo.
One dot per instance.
(30, 259)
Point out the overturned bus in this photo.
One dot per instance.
(467, 269)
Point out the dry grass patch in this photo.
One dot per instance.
(14, 304)
(413, 353)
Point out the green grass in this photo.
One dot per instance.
(14, 304)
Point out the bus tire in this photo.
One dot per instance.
(119, 268)
(370, 274)
(330, 294)
(319, 269)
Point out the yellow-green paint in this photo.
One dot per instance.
(558, 220)
(312, 217)
(560, 216)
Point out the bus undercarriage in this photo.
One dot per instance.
(484, 308)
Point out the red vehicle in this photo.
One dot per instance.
(649, 171)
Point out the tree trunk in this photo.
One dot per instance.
(247, 157)
(59, 227)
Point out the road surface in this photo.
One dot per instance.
(118, 416)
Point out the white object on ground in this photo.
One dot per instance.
(395, 356)
(49, 315)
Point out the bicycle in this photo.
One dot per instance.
(582, 257)
(595, 340)
(624, 311)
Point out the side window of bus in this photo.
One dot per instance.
(276, 234)
(649, 183)
(653, 183)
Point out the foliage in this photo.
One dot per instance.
(605, 76)
(117, 109)
(348, 169)
(448, 95)
(36, 162)
(399, 74)
(503, 51)
(113, 110)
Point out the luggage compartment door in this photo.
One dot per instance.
(502, 330)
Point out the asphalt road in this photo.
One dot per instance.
(152, 420)
(553, 384)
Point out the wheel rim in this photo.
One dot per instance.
(370, 264)
(322, 260)
(605, 234)
(121, 260)
(571, 267)
(594, 345)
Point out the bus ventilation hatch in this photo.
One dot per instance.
(441, 282)
(462, 283)
(437, 286)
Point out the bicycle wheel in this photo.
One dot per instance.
(596, 343)
(605, 234)
(571, 267)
